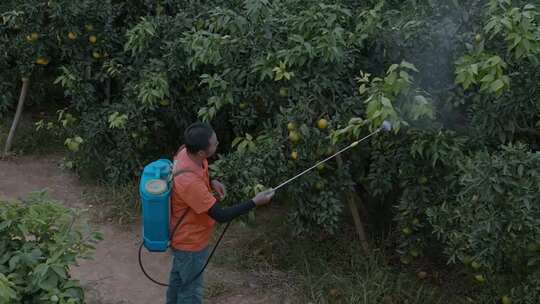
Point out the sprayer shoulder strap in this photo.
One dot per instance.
(174, 175)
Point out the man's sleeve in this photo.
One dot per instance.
(197, 196)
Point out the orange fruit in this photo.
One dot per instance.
(294, 137)
(72, 35)
(407, 231)
(92, 39)
(32, 37)
(291, 126)
(165, 102)
(322, 124)
(478, 38)
(42, 61)
(294, 155)
(480, 278)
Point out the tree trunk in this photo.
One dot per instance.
(22, 97)
(108, 91)
(355, 214)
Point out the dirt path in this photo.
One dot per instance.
(113, 276)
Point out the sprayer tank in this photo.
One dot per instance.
(155, 200)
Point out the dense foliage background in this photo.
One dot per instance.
(286, 83)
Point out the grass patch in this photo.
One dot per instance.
(326, 270)
(119, 204)
(28, 140)
(215, 289)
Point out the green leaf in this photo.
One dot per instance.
(50, 282)
(60, 271)
(386, 102)
(496, 85)
(392, 68)
(487, 78)
(236, 141)
(14, 262)
(5, 224)
(409, 66)
(474, 69)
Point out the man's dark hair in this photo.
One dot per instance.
(197, 137)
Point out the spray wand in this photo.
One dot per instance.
(385, 126)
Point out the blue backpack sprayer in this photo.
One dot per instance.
(155, 191)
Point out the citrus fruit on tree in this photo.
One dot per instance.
(478, 38)
(291, 126)
(322, 124)
(480, 278)
(406, 231)
(32, 37)
(405, 260)
(42, 61)
(164, 102)
(294, 137)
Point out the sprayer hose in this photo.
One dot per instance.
(199, 273)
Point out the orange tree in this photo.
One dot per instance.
(463, 183)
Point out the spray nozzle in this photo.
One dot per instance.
(386, 126)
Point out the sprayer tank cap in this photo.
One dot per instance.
(386, 126)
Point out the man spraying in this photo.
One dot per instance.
(193, 201)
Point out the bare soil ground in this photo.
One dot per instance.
(113, 276)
